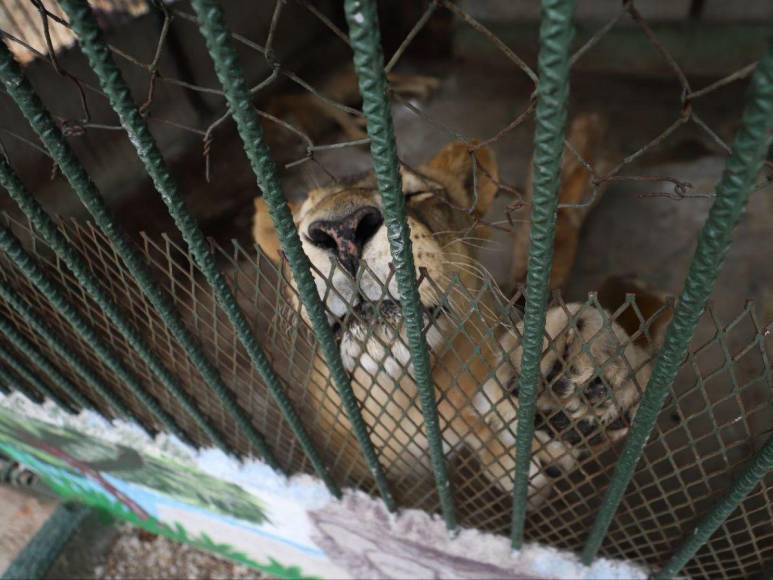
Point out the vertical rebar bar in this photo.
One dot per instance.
(56, 297)
(42, 551)
(54, 341)
(40, 119)
(115, 87)
(29, 350)
(761, 464)
(365, 38)
(228, 69)
(11, 384)
(33, 380)
(5, 381)
(556, 34)
(738, 179)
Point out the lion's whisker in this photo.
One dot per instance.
(483, 243)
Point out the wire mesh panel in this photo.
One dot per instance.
(336, 345)
(716, 419)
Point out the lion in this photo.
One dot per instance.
(342, 231)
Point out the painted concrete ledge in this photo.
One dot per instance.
(289, 528)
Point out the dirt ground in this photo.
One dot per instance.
(103, 550)
(21, 516)
(136, 554)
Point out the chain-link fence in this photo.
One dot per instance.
(40, 28)
(618, 449)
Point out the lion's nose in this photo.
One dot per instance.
(348, 235)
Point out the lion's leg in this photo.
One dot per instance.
(326, 419)
(585, 135)
(576, 198)
(493, 443)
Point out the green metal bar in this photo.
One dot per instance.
(748, 152)
(4, 380)
(761, 464)
(31, 318)
(13, 384)
(42, 551)
(25, 263)
(365, 38)
(24, 96)
(212, 25)
(556, 33)
(111, 81)
(56, 240)
(26, 374)
(23, 345)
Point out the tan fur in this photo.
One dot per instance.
(650, 306)
(314, 116)
(586, 135)
(456, 161)
(374, 346)
(263, 229)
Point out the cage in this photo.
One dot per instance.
(594, 412)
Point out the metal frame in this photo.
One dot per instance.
(747, 155)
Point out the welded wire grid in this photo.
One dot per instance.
(713, 423)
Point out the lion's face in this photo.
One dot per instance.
(343, 233)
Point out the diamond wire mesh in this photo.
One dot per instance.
(723, 410)
(316, 98)
(24, 22)
(717, 417)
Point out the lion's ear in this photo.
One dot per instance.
(456, 159)
(263, 229)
